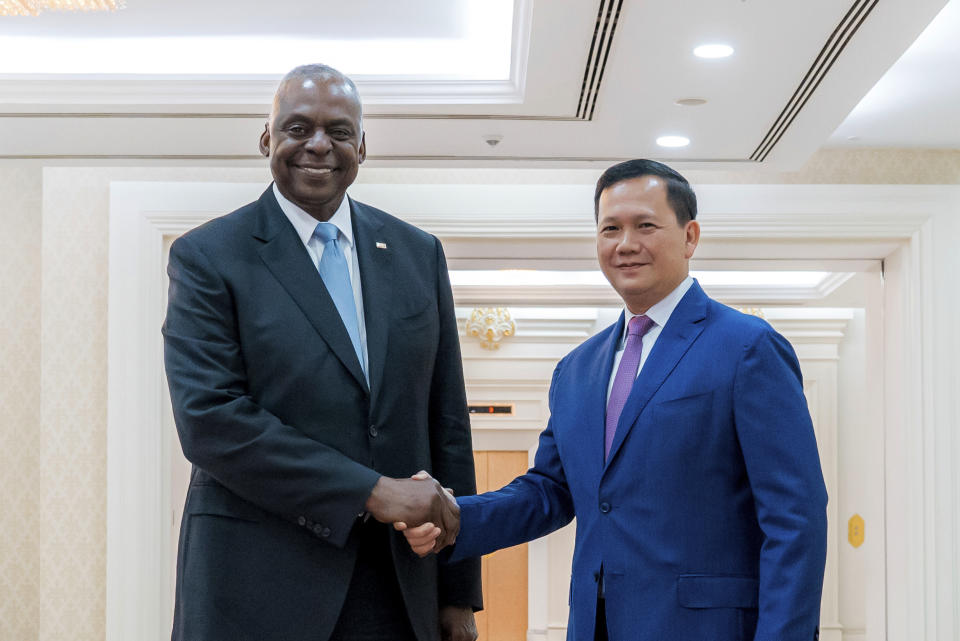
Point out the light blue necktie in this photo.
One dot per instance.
(336, 276)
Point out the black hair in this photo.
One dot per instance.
(679, 193)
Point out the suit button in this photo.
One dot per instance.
(301, 521)
(317, 529)
(325, 532)
(372, 431)
(604, 507)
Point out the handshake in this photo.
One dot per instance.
(420, 507)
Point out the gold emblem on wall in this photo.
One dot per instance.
(855, 530)
(753, 311)
(490, 325)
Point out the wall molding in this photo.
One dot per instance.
(920, 576)
(854, 212)
(604, 295)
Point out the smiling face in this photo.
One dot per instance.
(315, 142)
(643, 251)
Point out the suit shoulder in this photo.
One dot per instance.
(396, 226)
(589, 347)
(744, 328)
(216, 231)
(724, 314)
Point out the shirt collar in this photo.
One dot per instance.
(305, 224)
(660, 312)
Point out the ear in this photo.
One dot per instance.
(692, 233)
(265, 141)
(362, 151)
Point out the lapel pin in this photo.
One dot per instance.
(381, 245)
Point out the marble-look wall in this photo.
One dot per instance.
(19, 399)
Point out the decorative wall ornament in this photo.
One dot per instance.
(855, 530)
(753, 311)
(490, 325)
(35, 7)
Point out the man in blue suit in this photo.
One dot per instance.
(680, 439)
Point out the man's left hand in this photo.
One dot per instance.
(426, 538)
(457, 624)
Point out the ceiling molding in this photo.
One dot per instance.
(742, 225)
(377, 158)
(111, 90)
(162, 115)
(822, 226)
(809, 325)
(479, 212)
(605, 296)
(517, 384)
(833, 282)
(230, 90)
(229, 157)
(258, 89)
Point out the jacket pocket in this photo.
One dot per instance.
(689, 398)
(219, 501)
(717, 591)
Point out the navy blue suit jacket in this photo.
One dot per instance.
(709, 517)
(286, 437)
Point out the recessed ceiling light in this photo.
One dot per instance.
(713, 51)
(673, 141)
(691, 102)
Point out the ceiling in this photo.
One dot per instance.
(917, 102)
(554, 83)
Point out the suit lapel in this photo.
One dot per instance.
(683, 328)
(284, 255)
(376, 276)
(596, 393)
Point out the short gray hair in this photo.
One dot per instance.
(317, 71)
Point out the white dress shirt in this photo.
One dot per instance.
(659, 314)
(305, 225)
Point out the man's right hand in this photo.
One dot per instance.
(417, 501)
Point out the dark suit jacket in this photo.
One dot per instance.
(285, 437)
(708, 519)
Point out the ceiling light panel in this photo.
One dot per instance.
(713, 51)
(673, 141)
(479, 49)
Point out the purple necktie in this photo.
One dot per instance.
(626, 374)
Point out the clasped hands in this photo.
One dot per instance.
(420, 507)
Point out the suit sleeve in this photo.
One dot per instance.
(451, 445)
(531, 506)
(225, 433)
(783, 466)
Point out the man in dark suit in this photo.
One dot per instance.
(312, 355)
(680, 439)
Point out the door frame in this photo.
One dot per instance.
(740, 222)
